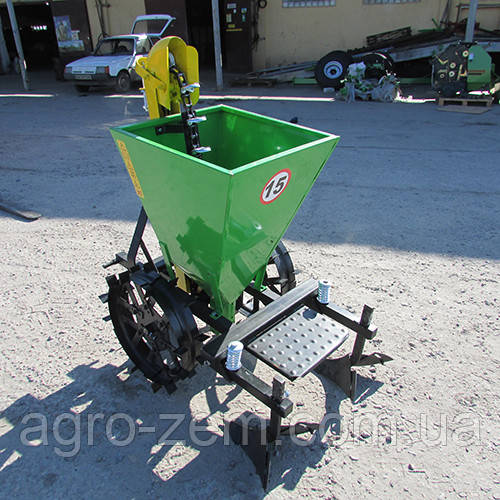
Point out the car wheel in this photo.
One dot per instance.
(123, 82)
(82, 88)
(331, 69)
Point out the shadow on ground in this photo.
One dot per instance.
(104, 421)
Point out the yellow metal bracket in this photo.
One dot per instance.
(162, 90)
(160, 85)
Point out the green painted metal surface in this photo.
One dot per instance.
(219, 218)
(478, 69)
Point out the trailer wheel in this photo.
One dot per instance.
(123, 82)
(331, 69)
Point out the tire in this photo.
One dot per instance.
(332, 68)
(82, 88)
(123, 82)
(377, 65)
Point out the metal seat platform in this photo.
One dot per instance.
(298, 343)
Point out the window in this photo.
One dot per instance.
(143, 46)
(113, 46)
(308, 3)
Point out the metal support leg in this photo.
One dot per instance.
(359, 343)
(357, 356)
(259, 442)
(253, 440)
(275, 422)
(340, 370)
(129, 260)
(137, 238)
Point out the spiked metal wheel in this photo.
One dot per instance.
(155, 328)
(279, 278)
(280, 274)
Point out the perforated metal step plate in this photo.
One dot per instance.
(299, 343)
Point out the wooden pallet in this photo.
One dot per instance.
(471, 110)
(485, 101)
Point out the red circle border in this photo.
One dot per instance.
(270, 179)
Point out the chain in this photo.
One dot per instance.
(189, 119)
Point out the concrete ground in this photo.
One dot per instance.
(404, 217)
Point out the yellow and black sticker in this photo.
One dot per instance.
(130, 168)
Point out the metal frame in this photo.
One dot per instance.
(259, 443)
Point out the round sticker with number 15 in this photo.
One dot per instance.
(275, 186)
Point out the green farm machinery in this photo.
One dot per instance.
(225, 284)
(463, 68)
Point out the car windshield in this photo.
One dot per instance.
(115, 47)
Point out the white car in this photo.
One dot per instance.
(113, 61)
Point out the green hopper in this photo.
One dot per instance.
(218, 219)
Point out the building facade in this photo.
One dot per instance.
(298, 31)
(255, 33)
